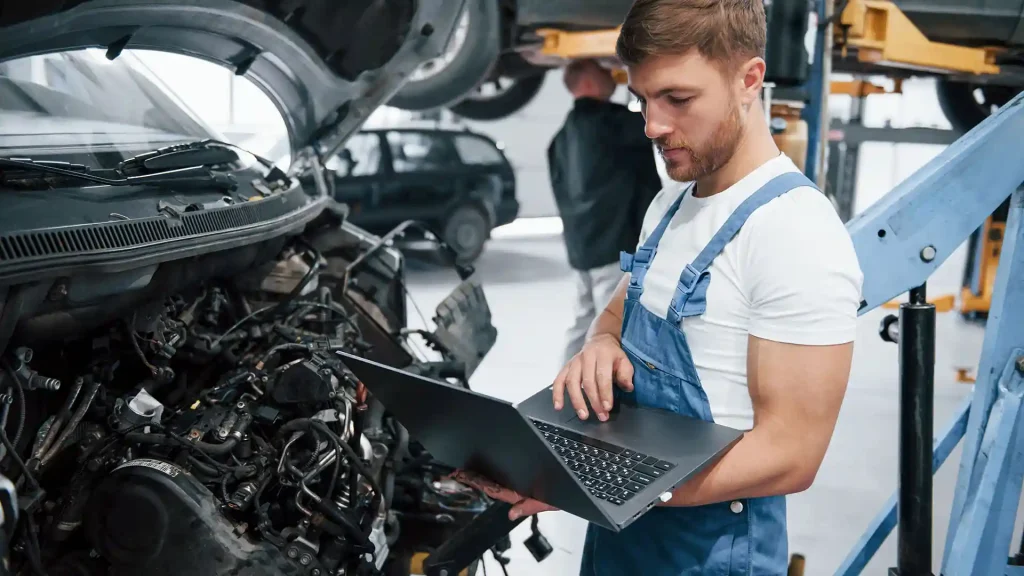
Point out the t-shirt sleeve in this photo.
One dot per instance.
(803, 277)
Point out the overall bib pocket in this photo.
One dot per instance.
(658, 387)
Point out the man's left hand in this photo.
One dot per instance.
(521, 506)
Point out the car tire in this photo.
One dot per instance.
(507, 101)
(469, 60)
(466, 231)
(960, 104)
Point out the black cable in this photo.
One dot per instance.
(357, 462)
(21, 401)
(281, 348)
(235, 326)
(17, 459)
(204, 448)
(35, 554)
(135, 344)
(500, 563)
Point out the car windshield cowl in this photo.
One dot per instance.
(28, 174)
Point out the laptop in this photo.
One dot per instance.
(608, 473)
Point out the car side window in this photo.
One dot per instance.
(421, 152)
(476, 151)
(359, 157)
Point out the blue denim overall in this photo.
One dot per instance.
(724, 539)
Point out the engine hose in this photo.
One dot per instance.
(163, 440)
(280, 348)
(347, 523)
(62, 416)
(401, 443)
(389, 487)
(76, 419)
(357, 463)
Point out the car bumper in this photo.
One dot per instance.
(506, 211)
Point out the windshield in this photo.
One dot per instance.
(81, 107)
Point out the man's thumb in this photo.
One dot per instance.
(624, 373)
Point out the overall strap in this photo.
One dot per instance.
(695, 276)
(638, 264)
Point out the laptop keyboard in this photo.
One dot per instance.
(611, 472)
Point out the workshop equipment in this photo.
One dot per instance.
(900, 241)
(880, 33)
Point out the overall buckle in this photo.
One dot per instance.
(644, 255)
(625, 261)
(689, 279)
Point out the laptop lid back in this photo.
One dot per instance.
(478, 433)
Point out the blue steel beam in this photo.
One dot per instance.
(989, 483)
(816, 95)
(882, 524)
(900, 241)
(938, 207)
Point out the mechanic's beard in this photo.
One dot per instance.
(710, 157)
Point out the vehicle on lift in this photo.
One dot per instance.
(170, 305)
(458, 182)
(494, 64)
(966, 98)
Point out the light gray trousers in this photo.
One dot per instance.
(594, 289)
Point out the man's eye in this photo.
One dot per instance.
(676, 101)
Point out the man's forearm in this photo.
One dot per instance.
(609, 321)
(757, 466)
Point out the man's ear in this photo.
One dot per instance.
(751, 79)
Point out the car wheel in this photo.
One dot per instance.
(468, 60)
(466, 231)
(967, 105)
(500, 98)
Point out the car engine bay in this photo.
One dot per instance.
(206, 426)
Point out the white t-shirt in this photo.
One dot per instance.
(790, 275)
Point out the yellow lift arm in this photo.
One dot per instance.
(883, 35)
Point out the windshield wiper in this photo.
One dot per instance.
(199, 153)
(193, 176)
(208, 152)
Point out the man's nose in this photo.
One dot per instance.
(655, 127)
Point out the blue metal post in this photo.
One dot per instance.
(900, 241)
(991, 470)
(816, 91)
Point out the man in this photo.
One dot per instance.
(604, 177)
(745, 314)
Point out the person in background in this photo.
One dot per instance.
(604, 176)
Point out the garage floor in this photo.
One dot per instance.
(530, 290)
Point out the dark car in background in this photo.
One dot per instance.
(458, 182)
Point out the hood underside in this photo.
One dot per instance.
(326, 64)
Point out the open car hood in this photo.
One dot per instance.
(326, 64)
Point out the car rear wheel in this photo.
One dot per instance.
(466, 62)
(501, 97)
(967, 105)
(466, 231)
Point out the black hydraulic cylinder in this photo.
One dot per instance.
(917, 380)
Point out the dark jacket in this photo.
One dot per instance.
(604, 177)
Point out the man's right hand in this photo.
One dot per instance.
(591, 372)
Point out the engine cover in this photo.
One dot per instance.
(151, 517)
